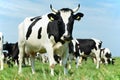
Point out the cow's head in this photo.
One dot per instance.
(65, 19)
(5, 46)
(111, 61)
(109, 58)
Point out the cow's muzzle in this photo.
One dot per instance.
(68, 38)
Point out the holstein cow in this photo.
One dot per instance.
(106, 56)
(85, 47)
(42, 57)
(13, 52)
(49, 33)
(1, 51)
(12, 55)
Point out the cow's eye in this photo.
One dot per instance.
(71, 19)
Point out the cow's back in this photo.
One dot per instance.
(86, 45)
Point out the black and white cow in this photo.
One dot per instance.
(49, 33)
(106, 56)
(13, 52)
(1, 51)
(42, 57)
(12, 55)
(81, 48)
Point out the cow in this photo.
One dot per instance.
(1, 52)
(81, 48)
(49, 33)
(13, 52)
(42, 57)
(106, 56)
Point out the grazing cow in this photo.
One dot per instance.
(1, 51)
(42, 57)
(82, 48)
(13, 51)
(106, 56)
(49, 33)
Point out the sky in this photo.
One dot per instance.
(101, 18)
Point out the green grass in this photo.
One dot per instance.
(86, 72)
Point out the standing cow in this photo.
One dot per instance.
(49, 33)
(1, 51)
(82, 48)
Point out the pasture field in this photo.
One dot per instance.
(86, 72)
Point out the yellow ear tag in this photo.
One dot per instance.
(78, 17)
(51, 18)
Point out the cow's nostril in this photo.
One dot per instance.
(68, 37)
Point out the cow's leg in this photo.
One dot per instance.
(21, 52)
(94, 60)
(43, 58)
(61, 62)
(106, 62)
(16, 64)
(29, 62)
(51, 58)
(97, 53)
(32, 57)
(80, 60)
(21, 45)
(25, 61)
(69, 59)
(77, 61)
(1, 61)
(64, 61)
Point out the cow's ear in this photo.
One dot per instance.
(52, 16)
(78, 16)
